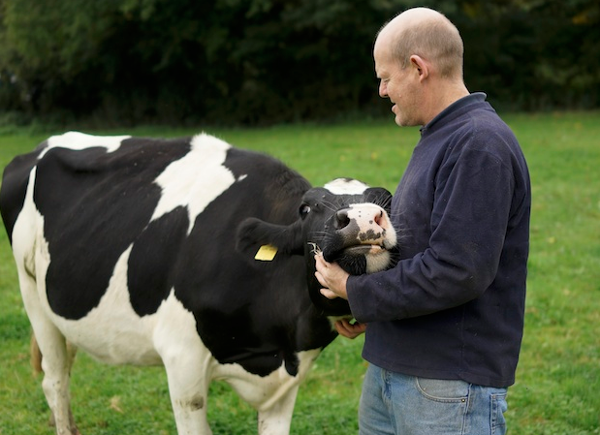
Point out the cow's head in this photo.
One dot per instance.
(346, 220)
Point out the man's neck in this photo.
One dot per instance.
(442, 96)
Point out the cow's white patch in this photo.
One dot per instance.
(25, 230)
(30, 251)
(112, 332)
(374, 224)
(379, 262)
(376, 229)
(80, 141)
(344, 186)
(195, 180)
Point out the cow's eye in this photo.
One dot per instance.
(304, 210)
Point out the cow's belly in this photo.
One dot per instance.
(116, 340)
(111, 332)
(123, 347)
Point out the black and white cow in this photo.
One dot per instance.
(188, 253)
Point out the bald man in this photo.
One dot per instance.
(444, 326)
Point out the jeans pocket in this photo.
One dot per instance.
(443, 390)
(498, 408)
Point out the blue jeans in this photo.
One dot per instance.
(396, 404)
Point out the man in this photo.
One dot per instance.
(444, 326)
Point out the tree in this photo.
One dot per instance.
(265, 61)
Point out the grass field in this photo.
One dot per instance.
(558, 380)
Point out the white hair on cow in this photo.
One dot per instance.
(346, 186)
(184, 181)
(80, 141)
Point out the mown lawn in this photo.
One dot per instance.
(559, 373)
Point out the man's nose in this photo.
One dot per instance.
(382, 89)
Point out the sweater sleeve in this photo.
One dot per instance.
(471, 202)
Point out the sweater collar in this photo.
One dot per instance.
(455, 108)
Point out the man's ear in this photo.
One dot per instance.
(420, 65)
(254, 233)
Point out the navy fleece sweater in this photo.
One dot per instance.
(453, 307)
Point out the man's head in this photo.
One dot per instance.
(418, 59)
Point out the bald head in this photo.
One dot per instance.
(426, 33)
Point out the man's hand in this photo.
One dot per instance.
(350, 330)
(332, 277)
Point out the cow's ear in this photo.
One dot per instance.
(254, 233)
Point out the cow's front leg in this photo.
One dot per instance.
(277, 419)
(188, 388)
(188, 366)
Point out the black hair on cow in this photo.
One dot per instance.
(380, 196)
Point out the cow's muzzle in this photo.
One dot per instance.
(361, 230)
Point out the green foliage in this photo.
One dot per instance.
(253, 62)
(559, 372)
(534, 54)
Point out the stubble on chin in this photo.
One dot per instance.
(404, 120)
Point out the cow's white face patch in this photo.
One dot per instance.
(79, 141)
(195, 180)
(344, 186)
(375, 229)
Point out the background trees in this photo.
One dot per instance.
(265, 61)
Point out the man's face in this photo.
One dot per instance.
(400, 85)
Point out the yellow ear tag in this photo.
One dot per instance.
(266, 253)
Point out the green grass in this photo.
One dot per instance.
(558, 378)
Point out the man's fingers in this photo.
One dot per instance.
(329, 276)
(349, 330)
(321, 279)
(328, 293)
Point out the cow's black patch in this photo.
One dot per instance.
(251, 313)
(150, 275)
(94, 206)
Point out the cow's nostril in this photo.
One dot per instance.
(378, 218)
(341, 219)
